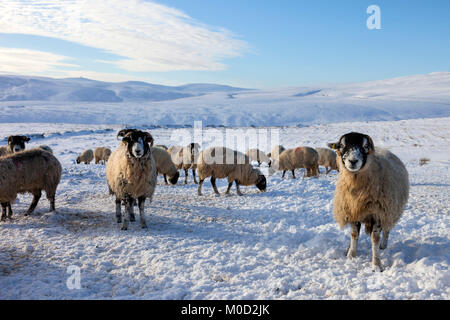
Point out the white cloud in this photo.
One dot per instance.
(30, 62)
(148, 36)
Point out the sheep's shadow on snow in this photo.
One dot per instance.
(414, 250)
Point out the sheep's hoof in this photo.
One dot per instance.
(143, 225)
(351, 254)
(124, 228)
(376, 266)
(132, 218)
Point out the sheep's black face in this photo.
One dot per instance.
(138, 143)
(353, 149)
(17, 143)
(174, 179)
(261, 183)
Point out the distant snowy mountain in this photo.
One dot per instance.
(22, 88)
(137, 103)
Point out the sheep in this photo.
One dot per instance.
(372, 188)
(185, 159)
(29, 171)
(221, 162)
(327, 159)
(45, 148)
(164, 165)
(101, 154)
(301, 157)
(15, 144)
(131, 174)
(86, 157)
(259, 156)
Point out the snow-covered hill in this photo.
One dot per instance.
(15, 88)
(422, 96)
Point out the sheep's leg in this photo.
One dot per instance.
(133, 203)
(3, 211)
(375, 238)
(384, 242)
(213, 183)
(293, 174)
(284, 172)
(200, 184)
(126, 218)
(51, 199)
(230, 184)
(259, 163)
(237, 188)
(355, 228)
(328, 170)
(186, 173)
(195, 179)
(165, 179)
(36, 196)
(9, 212)
(118, 211)
(141, 202)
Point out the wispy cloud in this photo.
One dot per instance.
(30, 62)
(147, 36)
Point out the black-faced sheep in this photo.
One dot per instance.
(258, 156)
(15, 144)
(327, 159)
(372, 188)
(131, 174)
(301, 157)
(29, 171)
(164, 165)
(185, 158)
(86, 156)
(101, 155)
(221, 162)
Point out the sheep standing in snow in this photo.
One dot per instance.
(28, 171)
(185, 158)
(372, 188)
(131, 174)
(258, 156)
(86, 156)
(221, 162)
(15, 144)
(164, 165)
(327, 159)
(101, 154)
(301, 157)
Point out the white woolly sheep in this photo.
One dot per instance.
(86, 156)
(15, 144)
(45, 148)
(258, 156)
(185, 158)
(221, 162)
(101, 155)
(131, 174)
(29, 171)
(372, 188)
(164, 165)
(327, 159)
(301, 157)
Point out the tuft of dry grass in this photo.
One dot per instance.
(423, 161)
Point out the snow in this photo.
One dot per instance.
(281, 244)
(412, 97)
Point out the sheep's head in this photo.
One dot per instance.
(261, 183)
(138, 143)
(174, 179)
(124, 132)
(353, 149)
(17, 143)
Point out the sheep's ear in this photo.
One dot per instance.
(121, 133)
(10, 138)
(371, 146)
(149, 139)
(25, 138)
(334, 145)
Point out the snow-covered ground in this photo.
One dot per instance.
(281, 244)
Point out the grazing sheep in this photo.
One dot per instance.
(164, 165)
(372, 188)
(101, 154)
(301, 157)
(15, 144)
(327, 159)
(131, 174)
(86, 157)
(258, 156)
(29, 171)
(45, 148)
(221, 162)
(185, 158)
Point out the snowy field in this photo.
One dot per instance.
(281, 244)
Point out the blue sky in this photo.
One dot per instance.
(251, 43)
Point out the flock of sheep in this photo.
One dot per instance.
(372, 186)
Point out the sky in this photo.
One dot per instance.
(251, 43)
